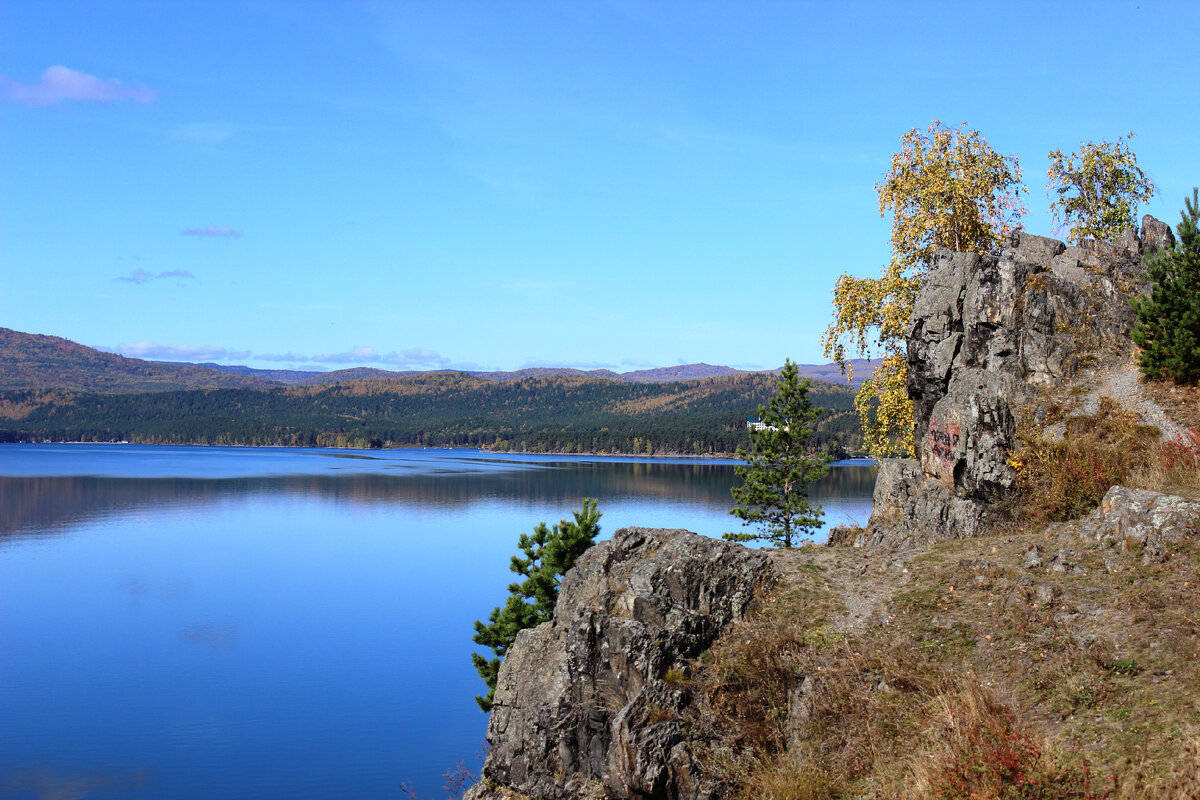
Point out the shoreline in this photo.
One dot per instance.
(849, 461)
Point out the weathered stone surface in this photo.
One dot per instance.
(579, 699)
(911, 509)
(1156, 236)
(987, 333)
(1135, 520)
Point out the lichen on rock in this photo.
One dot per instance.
(988, 335)
(581, 701)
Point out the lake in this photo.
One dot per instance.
(188, 622)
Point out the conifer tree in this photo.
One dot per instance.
(1168, 324)
(548, 554)
(779, 466)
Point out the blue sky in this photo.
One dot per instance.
(502, 184)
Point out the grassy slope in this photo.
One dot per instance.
(970, 669)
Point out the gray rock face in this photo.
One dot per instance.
(987, 333)
(579, 701)
(1135, 520)
(1156, 236)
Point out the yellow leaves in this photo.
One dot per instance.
(1097, 189)
(886, 410)
(949, 188)
(946, 188)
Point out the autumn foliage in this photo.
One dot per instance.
(948, 188)
(1096, 191)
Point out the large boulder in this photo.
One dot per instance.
(1135, 520)
(580, 701)
(988, 335)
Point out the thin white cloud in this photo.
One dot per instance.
(212, 230)
(411, 358)
(172, 352)
(636, 362)
(141, 276)
(355, 355)
(292, 357)
(59, 84)
(415, 357)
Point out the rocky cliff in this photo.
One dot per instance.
(583, 703)
(992, 339)
(887, 670)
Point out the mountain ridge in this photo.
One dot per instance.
(30, 361)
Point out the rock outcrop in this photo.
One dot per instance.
(1134, 520)
(579, 702)
(987, 336)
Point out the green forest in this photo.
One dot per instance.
(551, 414)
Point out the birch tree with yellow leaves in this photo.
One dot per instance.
(948, 188)
(1096, 191)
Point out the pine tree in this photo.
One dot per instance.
(549, 553)
(1168, 325)
(779, 466)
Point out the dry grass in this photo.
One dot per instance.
(988, 679)
(1061, 479)
(977, 748)
(1173, 466)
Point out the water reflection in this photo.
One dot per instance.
(264, 624)
(54, 504)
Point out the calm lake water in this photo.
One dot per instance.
(182, 622)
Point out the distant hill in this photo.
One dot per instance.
(287, 377)
(560, 414)
(683, 372)
(33, 361)
(830, 373)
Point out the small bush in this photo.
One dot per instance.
(981, 749)
(1181, 455)
(1065, 479)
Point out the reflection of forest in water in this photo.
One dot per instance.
(57, 503)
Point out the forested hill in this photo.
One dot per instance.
(541, 414)
(33, 361)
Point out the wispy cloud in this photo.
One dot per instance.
(415, 357)
(207, 132)
(355, 355)
(141, 276)
(534, 363)
(293, 357)
(59, 84)
(635, 362)
(177, 352)
(212, 230)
